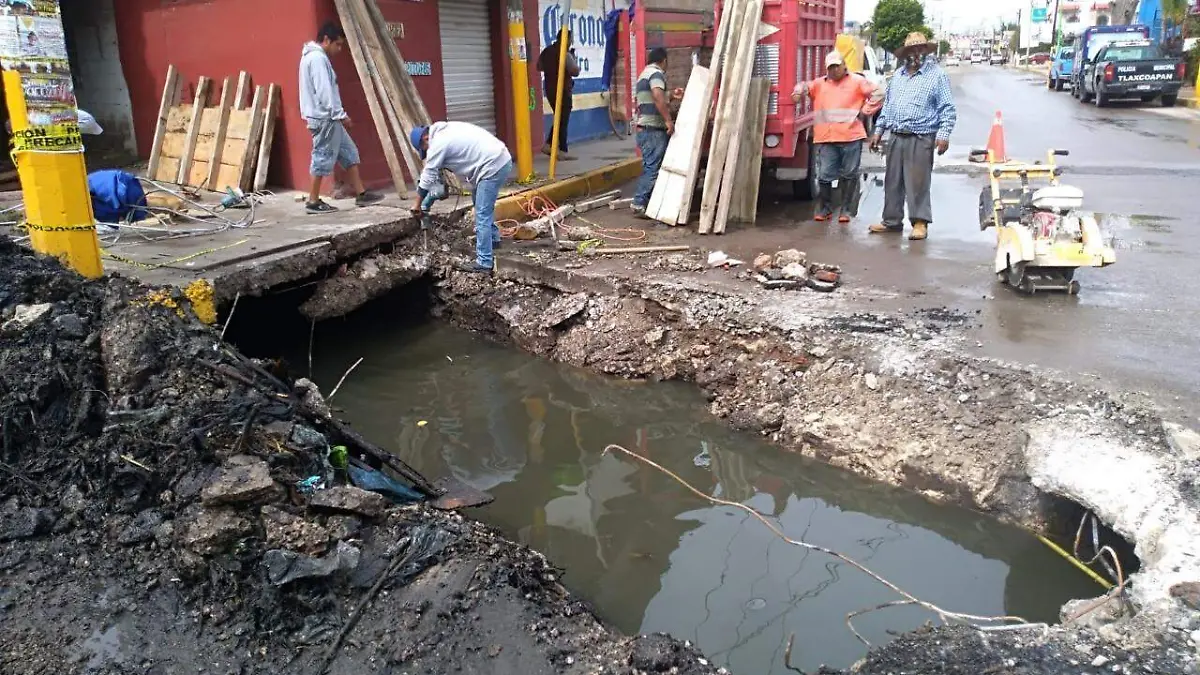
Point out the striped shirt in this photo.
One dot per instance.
(648, 116)
(920, 103)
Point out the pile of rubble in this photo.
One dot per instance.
(169, 505)
(791, 270)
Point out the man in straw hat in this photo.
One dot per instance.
(920, 114)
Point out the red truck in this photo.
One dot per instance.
(807, 31)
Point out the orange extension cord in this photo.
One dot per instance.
(537, 205)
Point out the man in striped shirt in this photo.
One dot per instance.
(654, 123)
(919, 113)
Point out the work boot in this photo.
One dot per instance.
(851, 192)
(920, 230)
(880, 228)
(824, 202)
(367, 198)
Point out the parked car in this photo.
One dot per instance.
(977, 56)
(1133, 68)
(998, 59)
(1092, 40)
(1061, 68)
(953, 60)
(1038, 58)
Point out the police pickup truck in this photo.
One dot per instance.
(1132, 69)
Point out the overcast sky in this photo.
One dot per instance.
(956, 14)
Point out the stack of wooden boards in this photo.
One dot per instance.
(396, 106)
(735, 145)
(217, 148)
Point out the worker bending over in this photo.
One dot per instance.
(920, 114)
(840, 99)
(654, 125)
(478, 158)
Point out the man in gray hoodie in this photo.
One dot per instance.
(321, 107)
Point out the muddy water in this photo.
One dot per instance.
(648, 555)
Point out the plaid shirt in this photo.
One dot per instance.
(919, 103)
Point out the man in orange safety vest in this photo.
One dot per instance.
(840, 100)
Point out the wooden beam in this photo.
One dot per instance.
(744, 203)
(377, 115)
(193, 130)
(737, 113)
(271, 114)
(214, 161)
(718, 148)
(170, 98)
(243, 91)
(246, 171)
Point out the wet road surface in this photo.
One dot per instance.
(648, 555)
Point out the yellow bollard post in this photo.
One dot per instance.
(58, 206)
(563, 29)
(1196, 90)
(518, 56)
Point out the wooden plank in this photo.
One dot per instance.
(719, 145)
(387, 84)
(737, 115)
(353, 37)
(205, 148)
(250, 154)
(225, 108)
(189, 144)
(241, 99)
(170, 97)
(268, 138)
(743, 206)
(666, 200)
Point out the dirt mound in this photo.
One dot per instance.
(170, 506)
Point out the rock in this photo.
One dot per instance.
(26, 523)
(24, 316)
(241, 480)
(343, 527)
(1184, 441)
(311, 395)
(288, 531)
(70, 325)
(1195, 637)
(795, 272)
(494, 651)
(211, 530)
(762, 262)
(790, 257)
(284, 567)
(655, 336)
(72, 500)
(872, 381)
(563, 309)
(349, 499)
(1099, 661)
(770, 416)
(141, 529)
(1187, 592)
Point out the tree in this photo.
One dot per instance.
(895, 19)
(943, 46)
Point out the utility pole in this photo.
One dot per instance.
(1054, 28)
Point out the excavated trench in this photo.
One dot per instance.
(958, 431)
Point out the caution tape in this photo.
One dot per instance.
(147, 266)
(57, 228)
(53, 138)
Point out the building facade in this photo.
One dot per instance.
(457, 52)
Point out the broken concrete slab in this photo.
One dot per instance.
(349, 499)
(24, 523)
(288, 531)
(209, 531)
(26, 315)
(564, 309)
(1185, 442)
(365, 280)
(241, 480)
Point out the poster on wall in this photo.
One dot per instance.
(32, 43)
(586, 22)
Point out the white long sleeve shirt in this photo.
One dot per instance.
(470, 152)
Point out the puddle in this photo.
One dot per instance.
(645, 553)
(100, 648)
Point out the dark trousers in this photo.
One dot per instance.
(908, 178)
(564, 121)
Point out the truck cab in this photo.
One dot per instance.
(1133, 69)
(1062, 65)
(1089, 44)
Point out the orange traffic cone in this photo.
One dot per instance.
(995, 143)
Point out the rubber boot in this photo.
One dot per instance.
(851, 196)
(837, 196)
(824, 202)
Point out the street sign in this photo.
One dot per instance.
(1038, 15)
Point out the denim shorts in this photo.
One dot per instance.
(331, 143)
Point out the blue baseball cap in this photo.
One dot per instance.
(415, 137)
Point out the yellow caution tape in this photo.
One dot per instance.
(49, 138)
(147, 266)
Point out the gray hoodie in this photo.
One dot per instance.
(319, 96)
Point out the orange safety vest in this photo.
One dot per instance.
(837, 106)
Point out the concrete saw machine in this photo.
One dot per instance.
(1042, 233)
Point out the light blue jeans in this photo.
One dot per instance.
(653, 144)
(484, 199)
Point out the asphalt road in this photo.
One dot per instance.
(1134, 325)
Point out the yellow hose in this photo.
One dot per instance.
(1076, 562)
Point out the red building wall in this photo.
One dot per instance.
(220, 38)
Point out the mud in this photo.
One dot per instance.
(151, 518)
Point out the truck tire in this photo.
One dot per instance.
(1101, 99)
(1169, 100)
(1058, 85)
(806, 190)
(1052, 84)
(1084, 96)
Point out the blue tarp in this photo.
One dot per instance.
(117, 196)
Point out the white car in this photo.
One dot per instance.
(953, 61)
(998, 60)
